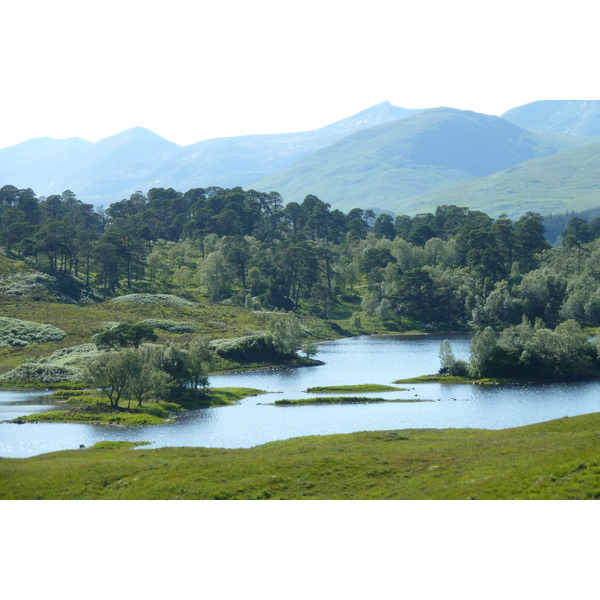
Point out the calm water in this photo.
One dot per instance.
(351, 361)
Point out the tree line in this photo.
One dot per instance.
(454, 268)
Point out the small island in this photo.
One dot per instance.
(349, 389)
(341, 400)
(88, 406)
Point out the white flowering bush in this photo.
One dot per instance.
(32, 283)
(28, 283)
(15, 332)
(152, 299)
(253, 348)
(172, 326)
(73, 356)
(43, 373)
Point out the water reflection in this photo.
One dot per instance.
(351, 361)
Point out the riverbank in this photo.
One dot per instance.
(558, 459)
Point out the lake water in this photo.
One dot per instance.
(365, 359)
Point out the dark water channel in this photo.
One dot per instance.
(350, 361)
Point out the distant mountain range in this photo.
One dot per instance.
(391, 165)
(137, 159)
(575, 117)
(541, 156)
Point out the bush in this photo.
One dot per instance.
(15, 332)
(250, 348)
(153, 300)
(172, 326)
(43, 373)
(73, 356)
(460, 368)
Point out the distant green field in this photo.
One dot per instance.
(555, 460)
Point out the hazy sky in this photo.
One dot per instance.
(195, 70)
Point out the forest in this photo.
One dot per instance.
(455, 269)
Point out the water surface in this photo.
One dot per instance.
(365, 359)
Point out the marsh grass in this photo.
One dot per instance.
(555, 460)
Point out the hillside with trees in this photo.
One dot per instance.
(452, 268)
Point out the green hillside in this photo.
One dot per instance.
(568, 181)
(388, 166)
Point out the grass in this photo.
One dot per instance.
(90, 407)
(457, 379)
(349, 389)
(559, 459)
(340, 400)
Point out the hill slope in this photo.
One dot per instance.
(575, 117)
(567, 181)
(390, 165)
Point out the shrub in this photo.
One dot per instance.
(43, 373)
(250, 348)
(460, 368)
(172, 326)
(73, 356)
(15, 332)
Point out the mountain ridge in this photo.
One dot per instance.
(388, 165)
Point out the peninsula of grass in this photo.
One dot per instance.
(341, 400)
(557, 460)
(350, 389)
(91, 407)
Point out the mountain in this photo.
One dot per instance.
(390, 165)
(574, 117)
(50, 166)
(137, 159)
(567, 181)
(232, 161)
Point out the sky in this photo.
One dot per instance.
(191, 71)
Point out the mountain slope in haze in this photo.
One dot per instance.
(390, 165)
(138, 159)
(567, 181)
(51, 166)
(232, 161)
(574, 117)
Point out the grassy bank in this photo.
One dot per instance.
(90, 407)
(555, 460)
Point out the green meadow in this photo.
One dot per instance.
(557, 460)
